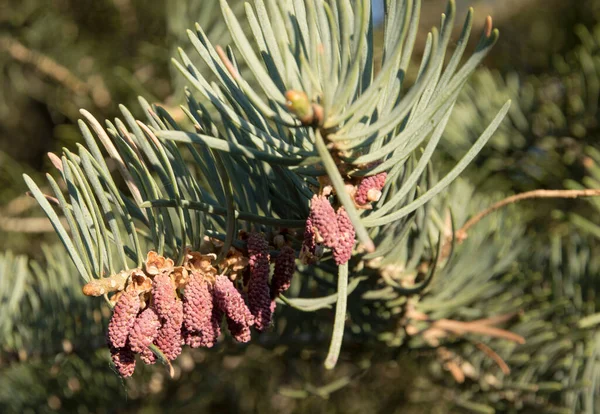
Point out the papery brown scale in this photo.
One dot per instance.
(259, 297)
(201, 262)
(180, 276)
(156, 263)
(123, 318)
(141, 283)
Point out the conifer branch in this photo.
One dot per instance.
(461, 233)
(44, 65)
(26, 224)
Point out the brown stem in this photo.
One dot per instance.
(497, 320)
(51, 200)
(461, 233)
(27, 224)
(450, 363)
(460, 328)
(494, 355)
(457, 373)
(113, 283)
(44, 65)
(19, 205)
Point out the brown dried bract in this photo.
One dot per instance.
(209, 245)
(234, 263)
(140, 282)
(180, 276)
(199, 261)
(156, 264)
(115, 298)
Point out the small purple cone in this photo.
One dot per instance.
(144, 332)
(163, 292)
(209, 334)
(169, 338)
(323, 218)
(343, 251)
(123, 318)
(285, 266)
(259, 297)
(197, 303)
(230, 301)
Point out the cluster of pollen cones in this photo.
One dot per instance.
(163, 307)
(327, 227)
